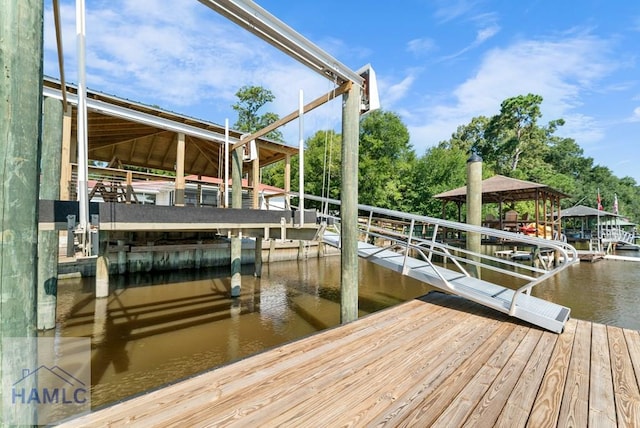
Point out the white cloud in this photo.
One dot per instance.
(482, 35)
(635, 117)
(421, 46)
(391, 93)
(451, 9)
(182, 56)
(560, 70)
(486, 33)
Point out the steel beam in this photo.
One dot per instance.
(248, 15)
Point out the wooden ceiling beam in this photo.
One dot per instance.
(172, 147)
(127, 141)
(196, 143)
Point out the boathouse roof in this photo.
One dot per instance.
(122, 131)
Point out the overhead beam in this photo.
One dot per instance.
(258, 21)
(139, 117)
(345, 87)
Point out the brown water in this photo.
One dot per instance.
(156, 329)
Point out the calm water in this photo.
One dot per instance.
(156, 329)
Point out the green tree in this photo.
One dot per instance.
(469, 137)
(322, 157)
(250, 100)
(386, 161)
(439, 170)
(515, 131)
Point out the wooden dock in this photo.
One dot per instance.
(436, 361)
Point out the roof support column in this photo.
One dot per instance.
(255, 180)
(180, 169)
(65, 165)
(287, 181)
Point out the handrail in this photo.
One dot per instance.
(564, 254)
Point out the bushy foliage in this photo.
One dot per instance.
(512, 143)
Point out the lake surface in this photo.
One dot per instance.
(156, 329)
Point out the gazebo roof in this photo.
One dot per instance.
(503, 189)
(584, 211)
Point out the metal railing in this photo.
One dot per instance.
(441, 243)
(616, 234)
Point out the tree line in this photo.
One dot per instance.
(514, 142)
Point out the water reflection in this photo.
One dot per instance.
(607, 292)
(156, 329)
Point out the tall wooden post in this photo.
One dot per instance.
(21, 29)
(49, 190)
(180, 170)
(349, 210)
(236, 239)
(20, 127)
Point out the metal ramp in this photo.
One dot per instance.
(427, 257)
(612, 236)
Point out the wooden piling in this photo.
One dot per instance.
(21, 35)
(20, 125)
(49, 190)
(474, 207)
(349, 209)
(236, 239)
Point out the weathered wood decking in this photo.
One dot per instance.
(438, 361)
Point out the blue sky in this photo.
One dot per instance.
(439, 63)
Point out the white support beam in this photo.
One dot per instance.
(248, 15)
(139, 117)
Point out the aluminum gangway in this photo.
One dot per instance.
(433, 251)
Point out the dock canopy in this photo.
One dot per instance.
(139, 135)
(500, 190)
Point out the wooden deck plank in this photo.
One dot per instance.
(233, 377)
(546, 407)
(633, 343)
(518, 407)
(625, 384)
(365, 386)
(352, 358)
(384, 391)
(428, 399)
(439, 361)
(602, 407)
(490, 406)
(575, 400)
(464, 403)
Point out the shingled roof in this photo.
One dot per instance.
(503, 189)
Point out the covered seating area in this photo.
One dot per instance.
(505, 192)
